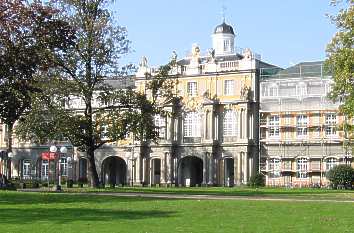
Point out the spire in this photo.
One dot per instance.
(223, 10)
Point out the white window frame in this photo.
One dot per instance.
(302, 125)
(160, 124)
(191, 124)
(301, 89)
(331, 163)
(192, 88)
(229, 87)
(274, 167)
(63, 163)
(230, 123)
(45, 169)
(274, 129)
(273, 90)
(26, 168)
(302, 170)
(331, 124)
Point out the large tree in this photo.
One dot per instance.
(107, 113)
(30, 35)
(340, 53)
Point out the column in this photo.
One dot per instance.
(240, 132)
(204, 169)
(211, 170)
(151, 170)
(239, 169)
(168, 168)
(143, 178)
(245, 171)
(163, 169)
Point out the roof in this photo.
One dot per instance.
(224, 28)
(121, 82)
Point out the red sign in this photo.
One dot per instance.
(48, 155)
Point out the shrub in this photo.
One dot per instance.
(257, 180)
(341, 175)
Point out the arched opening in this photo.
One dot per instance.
(229, 172)
(190, 171)
(114, 171)
(156, 171)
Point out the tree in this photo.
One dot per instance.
(341, 175)
(30, 34)
(108, 113)
(340, 60)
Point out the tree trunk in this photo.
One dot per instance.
(95, 181)
(9, 148)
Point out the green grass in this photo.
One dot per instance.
(308, 193)
(49, 212)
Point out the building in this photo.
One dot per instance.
(301, 137)
(236, 116)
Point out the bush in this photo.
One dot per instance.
(341, 175)
(257, 180)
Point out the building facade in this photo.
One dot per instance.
(235, 116)
(301, 133)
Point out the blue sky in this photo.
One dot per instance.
(284, 32)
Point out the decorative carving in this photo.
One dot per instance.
(192, 105)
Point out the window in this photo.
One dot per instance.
(302, 168)
(274, 168)
(230, 123)
(273, 90)
(331, 121)
(226, 45)
(301, 89)
(301, 125)
(45, 169)
(104, 132)
(160, 124)
(191, 125)
(26, 168)
(63, 166)
(274, 126)
(229, 87)
(331, 163)
(192, 89)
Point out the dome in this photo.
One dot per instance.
(224, 28)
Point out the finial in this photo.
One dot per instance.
(223, 12)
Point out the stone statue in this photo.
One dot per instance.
(195, 50)
(143, 62)
(211, 53)
(174, 56)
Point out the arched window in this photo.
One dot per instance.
(230, 123)
(191, 124)
(302, 168)
(331, 163)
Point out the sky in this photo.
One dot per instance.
(283, 32)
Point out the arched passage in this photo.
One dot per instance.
(190, 171)
(114, 171)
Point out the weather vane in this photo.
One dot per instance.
(223, 10)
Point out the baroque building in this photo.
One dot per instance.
(236, 116)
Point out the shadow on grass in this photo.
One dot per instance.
(69, 215)
(229, 191)
(17, 198)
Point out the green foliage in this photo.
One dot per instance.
(340, 53)
(341, 175)
(257, 180)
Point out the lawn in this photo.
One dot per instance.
(50, 212)
(308, 193)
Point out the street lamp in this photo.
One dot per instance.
(63, 150)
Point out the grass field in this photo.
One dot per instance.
(308, 193)
(40, 212)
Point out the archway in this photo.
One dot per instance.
(190, 171)
(229, 172)
(114, 171)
